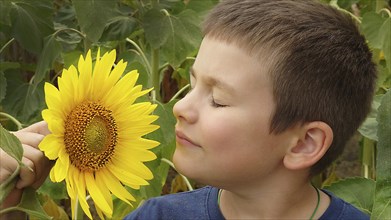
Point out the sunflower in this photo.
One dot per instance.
(97, 132)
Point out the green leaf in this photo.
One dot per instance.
(7, 186)
(9, 65)
(11, 144)
(166, 121)
(93, 16)
(31, 21)
(3, 86)
(201, 6)
(30, 204)
(5, 8)
(68, 39)
(50, 53)
(352, 191)
(71, 58)
(382, 205)
(184, 39)
(56, 191)
(347, 4)
(23, 101)
(157, 27)
(118, 28)
(369, 127)
(385, 36)
(371, 24)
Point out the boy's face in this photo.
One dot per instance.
(223, 123)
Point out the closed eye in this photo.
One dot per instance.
(216, 104)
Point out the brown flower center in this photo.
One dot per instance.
(90, 136)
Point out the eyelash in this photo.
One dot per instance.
(215, 104)
(212, 100)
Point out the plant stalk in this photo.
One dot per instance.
(79, 215)
(368, 158)
(155, 74)
(14, 120)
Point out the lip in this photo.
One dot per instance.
(183, 140)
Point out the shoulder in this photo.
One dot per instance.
(341, 210)
(192, 204)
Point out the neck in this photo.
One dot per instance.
(287, 201)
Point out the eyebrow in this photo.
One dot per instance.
(215, 82)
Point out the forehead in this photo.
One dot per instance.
(231, 64)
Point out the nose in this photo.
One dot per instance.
(185, 109)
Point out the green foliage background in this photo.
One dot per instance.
(160, 38)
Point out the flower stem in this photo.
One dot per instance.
(184, 178)
(79, 215)
(14, 120)
(6, 45)
(142, 54)
(155, 74)
(179, 92)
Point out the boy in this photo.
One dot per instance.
(278, 87)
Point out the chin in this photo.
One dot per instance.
(186, 167)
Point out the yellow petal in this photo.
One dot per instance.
(116, 73)
(105, 192)
(101, 72)
(52, 96)
(116, 94)
(55, 126)
(132, 167)
(139, 130)
(100, 214)
(60, 169)
(85, 75)
(70, 188)
(96, 194)
(80, 184)
(125, 176)
(51, 145)
(73, 207)
(85, 67)
(140, 142)
(52, 174)
(133, 153)
(115, 186)
(52, 115)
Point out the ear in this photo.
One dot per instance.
(314, 139)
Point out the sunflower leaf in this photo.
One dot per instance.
(3, 85)
(31, 21)
(93, 16)
(350, 190)
(50, 53)
(382, 203)
(11, 145)
(30, 204)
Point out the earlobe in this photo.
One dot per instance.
(312, 143)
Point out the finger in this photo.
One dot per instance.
(36, 160)
(29, 138)
(26, 175)
(39, 127)
(44, 174)
(7, 166)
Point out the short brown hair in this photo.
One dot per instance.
(320, 65)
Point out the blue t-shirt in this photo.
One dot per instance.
(202, 204)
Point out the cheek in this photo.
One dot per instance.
(237, 135)
(232, 132)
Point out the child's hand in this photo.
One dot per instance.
(33, 158)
